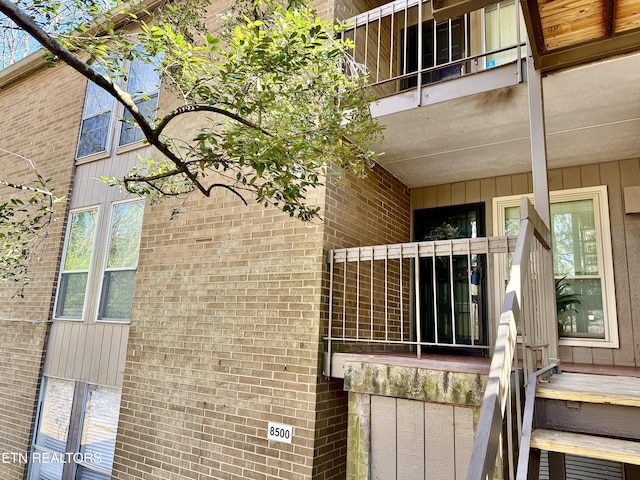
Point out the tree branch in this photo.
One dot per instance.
(206, 108)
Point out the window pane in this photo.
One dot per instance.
(84, 473)
(72, 290)
(574, 238)
(97, 101)
(143, 78)
(100, 426)
(55, 414)
(117, 294)
(94, 134)
(512, 221)
(48, 470)
(124, 241)
(130, 132)
(80, 243)
(584, 319)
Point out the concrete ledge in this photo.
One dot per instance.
(415, 383)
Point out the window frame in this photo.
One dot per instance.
(137, 98)
(93, 295)
(110, 130)
(75, 430)
(96, 235)
(599, 196)
(100, 292)
(116, 124)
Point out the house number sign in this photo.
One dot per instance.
(279, 432)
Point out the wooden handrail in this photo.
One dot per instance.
(497, 397)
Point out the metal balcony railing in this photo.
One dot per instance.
(400, 56)
(409, 296)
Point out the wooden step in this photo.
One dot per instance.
(581, 387)
(591, 446)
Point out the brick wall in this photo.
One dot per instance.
(223, 340)
(358, 212)
(40, 120)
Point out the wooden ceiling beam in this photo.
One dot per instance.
(610, 10)
(590, 52)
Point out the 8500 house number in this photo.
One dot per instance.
(279, 432)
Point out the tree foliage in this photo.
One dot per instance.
(26, 212)
(275, 98)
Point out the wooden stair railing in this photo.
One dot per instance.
(528, 319)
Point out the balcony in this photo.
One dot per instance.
(434, 296)
(412, 63)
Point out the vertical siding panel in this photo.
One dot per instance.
(610, 176)
(582, 355)
(114, 355)
(566, 354)
(410, 438)
(383, 438)
(430, 198)
(472, 191)
(503, 186)
(72, 333)
(85, 373)
(602, 356)
(630, 176)
(463, 433)
(96, 353)
(81, 346)
(487, 192)
(105, 354)
(590, 175)
(571, 177)
(417, 198)
(50, 357)
(520, 184)
(60, 351)
(555, 179)
(439, 445)
(458, 196)
(444, 195)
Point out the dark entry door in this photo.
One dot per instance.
(452, 290)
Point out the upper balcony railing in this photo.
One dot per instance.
(401, 56)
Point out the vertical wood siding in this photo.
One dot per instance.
(91, 352)
(625, 236)
(419, 440)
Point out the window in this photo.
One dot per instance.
(96, 121)
(75, 266)
(501, 31)
(122, 260)
(582, 262)
(143, 83)
(76, 434)
(118, 243)
(53, 431)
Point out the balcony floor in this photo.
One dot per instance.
(438, 362)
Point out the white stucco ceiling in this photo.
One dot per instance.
(592, 115)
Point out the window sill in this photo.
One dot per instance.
(588, 342)
(131, 146)
(93, 158)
